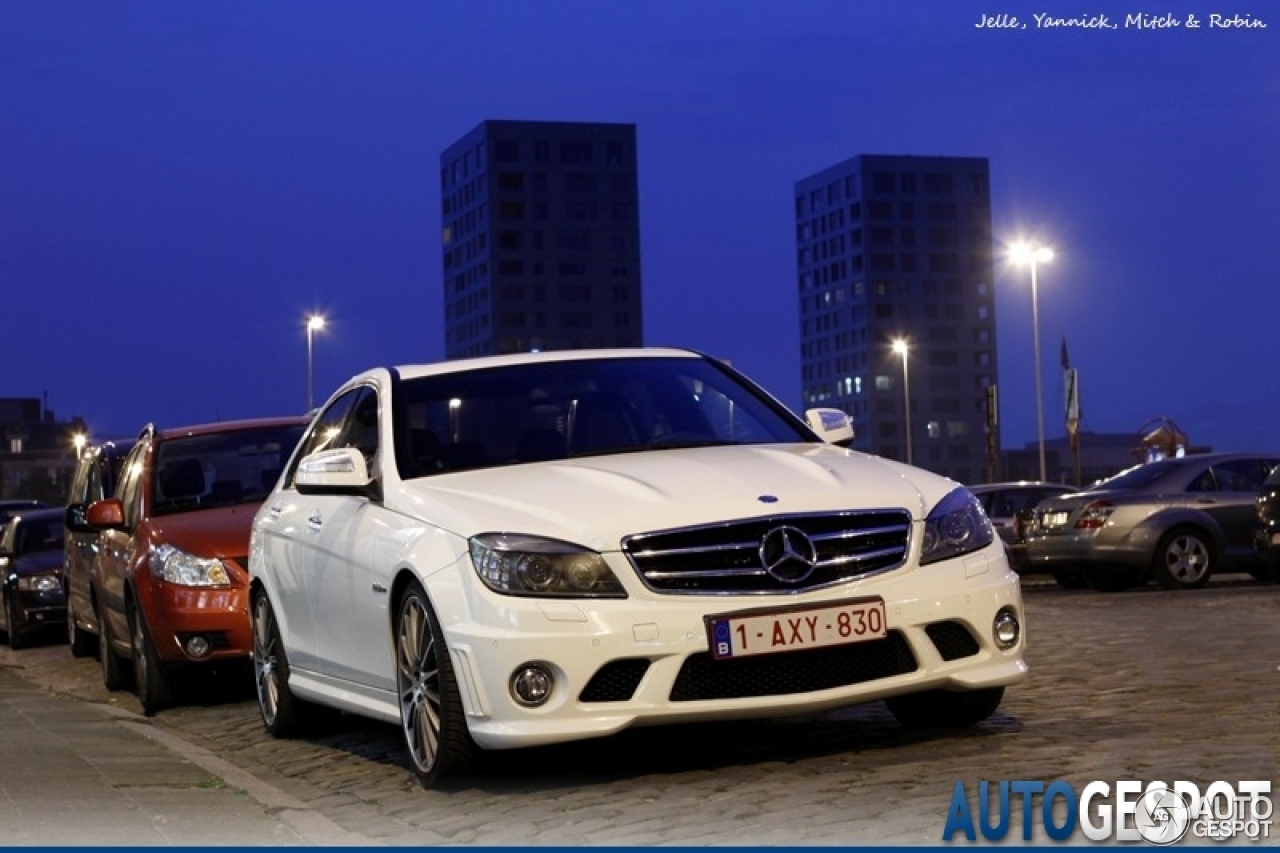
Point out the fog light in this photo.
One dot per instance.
(197, 646)
(531, 684)
(1006, 630)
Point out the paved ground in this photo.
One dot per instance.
(1146, 684)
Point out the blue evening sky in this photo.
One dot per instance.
(182, 182)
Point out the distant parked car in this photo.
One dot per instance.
(1009, 506)
(95, 478)
(1267, 530)
(519, 550)
(31, 594)
(169, 578)
(1177, 521)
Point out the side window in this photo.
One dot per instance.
(1204, 483)
(130, 490)
(1240, 475)
(326, 431)
(362, 427)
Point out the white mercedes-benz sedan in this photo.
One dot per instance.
(525, 549)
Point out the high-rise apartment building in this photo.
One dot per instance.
(899, 248)
(541, 238)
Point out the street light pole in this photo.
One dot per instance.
(314, 324)
(1034, 256)
(900, 347)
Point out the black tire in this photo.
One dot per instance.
(945, 709)
(435, 729)
(113, 676)
(283, 714)
(81, 642)
(149, 679)
(16, 638)
(1069, 578)
(1184, 559)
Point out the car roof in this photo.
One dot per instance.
(414, 371)
(40, 514)
(20, 503)
(230, 426)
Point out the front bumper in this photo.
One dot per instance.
(177, 614)
(644, 661)
(38, 610)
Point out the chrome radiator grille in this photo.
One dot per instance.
(783, 553)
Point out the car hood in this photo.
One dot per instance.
(596, 501)
(38, 562)
(221, 532)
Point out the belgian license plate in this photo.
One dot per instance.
(1054, 519)
(764, 632)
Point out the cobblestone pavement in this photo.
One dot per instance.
(1147, 684)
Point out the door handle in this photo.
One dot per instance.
(314, 520)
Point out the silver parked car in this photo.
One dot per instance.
(1176, 521)
(1010, 506)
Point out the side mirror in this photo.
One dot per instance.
(340, 471)
(105, 514)
(832, 425)
(75, 519)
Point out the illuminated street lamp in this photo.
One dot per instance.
(315, 323)
(1026, 253)
(901, 347)
(79, 440)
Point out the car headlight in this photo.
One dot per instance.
(176, 566)
(39, 583)
(957, 525)
(516, 564)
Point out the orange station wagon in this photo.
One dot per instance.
(170, 573)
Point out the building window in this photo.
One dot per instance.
(511, 211)
(937, 183)
(575, 152)
(511, 181)
(506, 150)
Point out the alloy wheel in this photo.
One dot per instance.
(266, 662)
(418, 680)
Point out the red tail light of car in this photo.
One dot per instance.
(1094, 515)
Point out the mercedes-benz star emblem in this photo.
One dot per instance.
(787, 554)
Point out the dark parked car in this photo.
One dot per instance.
(8, 509)
(1009, 506)
(1267, 532)
(170, 577)
(1176, 521)
(95, 478)
(31, 566)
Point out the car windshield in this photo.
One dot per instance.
(220, 469)
(39, 535)
(584, 407)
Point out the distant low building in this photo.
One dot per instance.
(37, 451)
